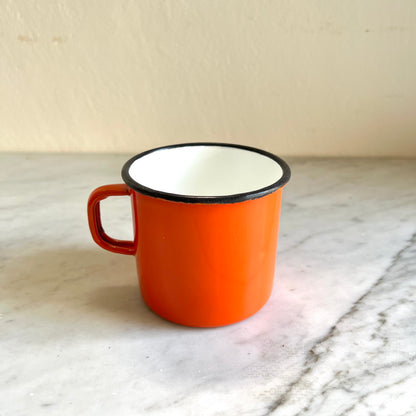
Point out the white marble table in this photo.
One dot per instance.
(338, 336)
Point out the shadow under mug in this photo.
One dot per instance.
(206, 218)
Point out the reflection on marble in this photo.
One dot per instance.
(338, 336)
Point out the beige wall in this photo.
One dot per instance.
(295, 77)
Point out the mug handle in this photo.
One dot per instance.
(94, 219)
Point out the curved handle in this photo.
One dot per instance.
(94, 219)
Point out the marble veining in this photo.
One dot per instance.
(337, 337)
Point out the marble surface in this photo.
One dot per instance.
(338, 336)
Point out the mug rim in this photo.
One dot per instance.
(220, 199)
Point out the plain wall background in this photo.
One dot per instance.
(294, 77)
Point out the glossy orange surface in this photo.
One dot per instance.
(199, 264)
(94, 219)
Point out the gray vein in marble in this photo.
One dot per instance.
(321, 350)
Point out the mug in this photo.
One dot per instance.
(205, 219)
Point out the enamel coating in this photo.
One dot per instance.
(199, 265)
(201, 261)
(206, 264)
(226, 199)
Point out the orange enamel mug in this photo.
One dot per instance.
(206, 219)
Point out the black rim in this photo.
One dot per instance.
(223, 199)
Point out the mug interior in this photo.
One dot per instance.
(205, 170)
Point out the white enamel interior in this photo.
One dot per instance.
(205, 170)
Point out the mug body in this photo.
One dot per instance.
(206, 264)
